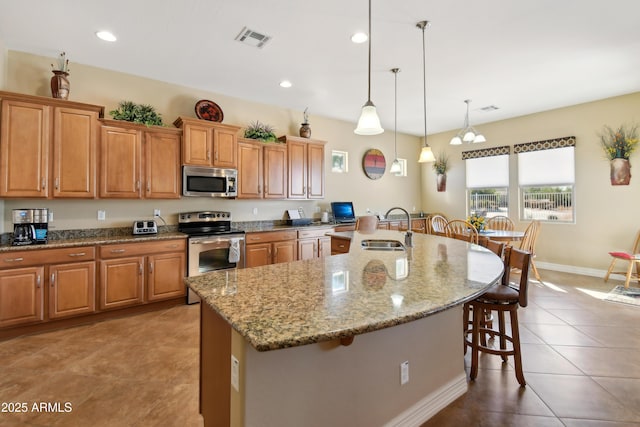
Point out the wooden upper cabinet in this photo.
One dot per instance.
(306, 167)
(206, 143)
(48, 147)
(162, 165)
(262, 170)
(120, 162)
(137, 161)
(74, 153)
(24, 148)
(275, 171)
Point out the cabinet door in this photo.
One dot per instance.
(250, 171)
(297, 159)
(21, 298)
(24, 149)
(275, 171)
(74, 153)
(315, 171)
(285, 251)
(72, 289)
(224, 148)
(307, 249)
(121, 282)
(257, 255)
(198, 145)
(165, 276)
(162, 166)
(120, 155)
(324, 246)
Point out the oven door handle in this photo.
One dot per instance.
(220, 242)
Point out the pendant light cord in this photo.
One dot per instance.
(423, 25)
(395, 111)
(369, 82)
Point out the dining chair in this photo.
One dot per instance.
(500, 222)
(632, 258)
(461, 230)
(498, 249)
(504, 297)
(438, 224)
(528, 244)
(367, 223)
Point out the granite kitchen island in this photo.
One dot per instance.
(321, 342)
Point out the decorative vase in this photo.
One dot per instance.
(60, 84)
(305, 130)
(441, 182)
(620, 172)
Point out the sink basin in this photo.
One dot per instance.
(382, 245)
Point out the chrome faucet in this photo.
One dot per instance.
(408, 238)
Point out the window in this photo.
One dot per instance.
(487, 181)
(546, 178)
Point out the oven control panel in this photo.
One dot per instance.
(205, 216)
(145, 227)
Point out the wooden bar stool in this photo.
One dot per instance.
(502, 298)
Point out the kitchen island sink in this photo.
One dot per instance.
(382, 245)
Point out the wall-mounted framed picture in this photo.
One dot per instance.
(374, 163)
(339, 161)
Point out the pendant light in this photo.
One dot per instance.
(426, 155)
(468, 134)
(369, 122)
(396, 168)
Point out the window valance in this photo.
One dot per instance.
(567, 141)
(486, 152)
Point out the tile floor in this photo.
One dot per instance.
(581, 359)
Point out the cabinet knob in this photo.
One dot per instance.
(150, 267)
(44, 183)
(53, 279)
(56, 183)
(208, 155)
(38, 282)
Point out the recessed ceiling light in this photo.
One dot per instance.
(285, 83)
(106, 36)
(359, 38)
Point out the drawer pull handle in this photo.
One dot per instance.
(38, 282)
(78, 254)
(117, 251)
(13, 259)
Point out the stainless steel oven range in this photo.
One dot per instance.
(213, 244)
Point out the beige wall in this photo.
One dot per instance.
(30, 74)
(606, 215)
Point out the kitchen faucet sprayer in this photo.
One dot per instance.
(408, 238)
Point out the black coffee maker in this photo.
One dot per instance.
(30, 226)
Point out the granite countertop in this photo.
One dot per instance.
(95, 240)
(303, 302)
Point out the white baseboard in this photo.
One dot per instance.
(593, 272)
(431, 404)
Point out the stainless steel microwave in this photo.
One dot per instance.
(209, 182)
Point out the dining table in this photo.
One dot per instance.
(502, 235)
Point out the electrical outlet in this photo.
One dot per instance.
(255, 211)
(102, 215)
(235, 373)
(156, 213)
(50, 216)
(404, 372)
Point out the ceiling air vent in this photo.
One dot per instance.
(489, 108)
(252, 38)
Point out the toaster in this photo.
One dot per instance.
(145, 227)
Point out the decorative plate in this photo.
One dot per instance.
(374, 163)
(209, 110)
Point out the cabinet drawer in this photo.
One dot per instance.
(340, 246)
(13, 259)
(321, 232)
(142, 248)
(271, 236)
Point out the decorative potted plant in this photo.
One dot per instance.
(60, 85)
(441, 166)
(618, 145)
(305, 130)
(137, 113)
(261, 131)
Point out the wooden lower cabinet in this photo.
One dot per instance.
(21, 296)
(271, 247)
(72, 289)
(135, 273)
(313, 243)
(339, 245)
(121, 282)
